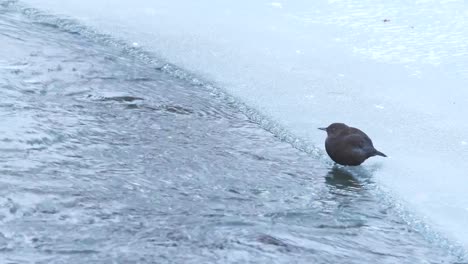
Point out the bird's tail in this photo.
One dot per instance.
(378, 153)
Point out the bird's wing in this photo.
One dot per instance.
(358, 140)
(354, 131)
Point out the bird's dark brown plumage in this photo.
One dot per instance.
(348, 145)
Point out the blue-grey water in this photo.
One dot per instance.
(107, 159)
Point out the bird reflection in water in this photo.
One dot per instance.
(341, 178)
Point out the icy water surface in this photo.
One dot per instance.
(105, 159)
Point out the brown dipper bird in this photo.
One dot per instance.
(348, 145)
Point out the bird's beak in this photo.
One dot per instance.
(323, 128)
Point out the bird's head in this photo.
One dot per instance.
(334, 129)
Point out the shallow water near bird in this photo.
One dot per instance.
(106, 159)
